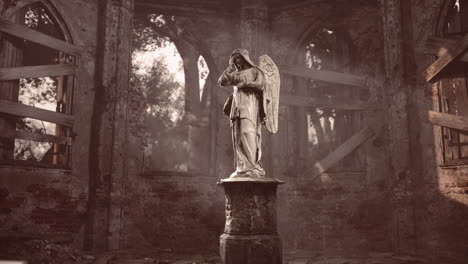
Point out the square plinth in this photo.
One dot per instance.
(250, 249)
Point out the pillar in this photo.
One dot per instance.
(399, 146)
(108, 155)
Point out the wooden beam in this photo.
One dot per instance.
(446, 58)
(342, 151)
(448, 120)
(180, 9)
(323, 102)
(35, 137)
(19, 109)
(212, 4)
(16, 73)
(30, 163)
(173, 10)
(326, 76)
(38, 37)
(439, 46)
(286, 6)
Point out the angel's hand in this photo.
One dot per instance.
(241, 85)
(231, 68)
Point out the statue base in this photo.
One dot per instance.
(250, 232)
(250, 249)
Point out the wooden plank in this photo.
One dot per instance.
(194, 4)
(19, 109)
(323, 102)
(448, 120)
(16, 73)
(326, 76)
(460, 89)
(342, 151)
(439, 46)
(142, 7)
(30, 163)
(457, 162)
(285, 5)
(37, 37)
(446, 58)
(448, 100)
(15, 134)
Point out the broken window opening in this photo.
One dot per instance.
(453, 93)
(327, 128)
(203, 73)
(157, 72)
(172, 76)
(455, 21)
(49, 93)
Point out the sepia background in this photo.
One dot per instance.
(112, 136)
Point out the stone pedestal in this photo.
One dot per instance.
(250, 233)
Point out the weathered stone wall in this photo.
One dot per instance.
(46, 204)
(403, 202)
(339, 213)
(440, 195)
(336, 214)
(185, 211)
(180, 213)
(49, 203)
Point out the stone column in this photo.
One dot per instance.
(108, 155)
(250, 233)
(254, 26)
(399, 145)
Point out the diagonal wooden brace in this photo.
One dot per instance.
(339, 153)
(446, 59)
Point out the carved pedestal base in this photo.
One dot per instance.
(255, 249)
(250, 233)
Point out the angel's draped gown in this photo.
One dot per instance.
(245, 119)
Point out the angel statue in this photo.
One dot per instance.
(254, 102)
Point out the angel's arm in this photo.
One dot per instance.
(226, 78)
(256, 85)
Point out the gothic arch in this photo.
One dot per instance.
(293, 53)
(49, 6)
(325, 47)
(440, 21)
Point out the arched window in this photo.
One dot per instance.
(454, 20)
(37, 68)
(324, 126)
(171, 73)
(453, 88)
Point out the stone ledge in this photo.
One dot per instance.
(250, 180)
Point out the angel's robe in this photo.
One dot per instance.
(246, 117)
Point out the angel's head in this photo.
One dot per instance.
(238, 60)
(241, 59)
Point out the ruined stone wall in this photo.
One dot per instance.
(421, 210)
(170, 212)
(50, 203)
(180, 211)
(336, 214)
(440, 194)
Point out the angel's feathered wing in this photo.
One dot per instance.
(271, 92)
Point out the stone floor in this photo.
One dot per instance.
(289, 258)
(45, 252)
